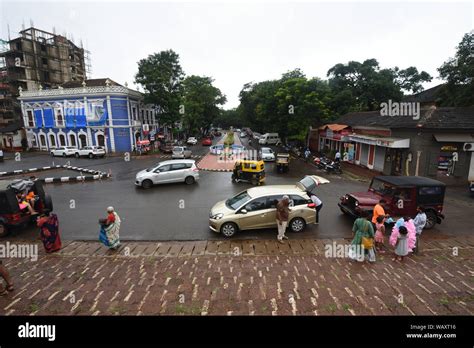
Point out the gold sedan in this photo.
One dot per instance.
(255, 208)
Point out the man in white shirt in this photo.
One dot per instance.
(318, 203)
(419, 221)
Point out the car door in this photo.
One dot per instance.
(255, 214)
(162, 174)
(299, 208)
(177, 172)
(271, 214)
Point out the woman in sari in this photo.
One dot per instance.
(362, 228)
(49, 232)
(110, 228)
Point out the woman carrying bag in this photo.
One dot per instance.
(363, 240)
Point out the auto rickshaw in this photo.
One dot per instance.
(249, 171)
(282, 162)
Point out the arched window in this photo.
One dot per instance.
(72, 140)
(62, 140)
(52, 140)
(83, 140)
(42, 140)
(101, 140)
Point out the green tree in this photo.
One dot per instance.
(161, 76)
(365, 85)
(201, 102)
(459, 75)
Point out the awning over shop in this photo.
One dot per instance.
(454, 138)
(396, 143)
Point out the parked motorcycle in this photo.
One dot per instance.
(321, 162)
(333, 167)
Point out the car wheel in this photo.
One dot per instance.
(76, 155)
(233, 178)
(430, 220)
(91, 156)
(189, 180)
(254, 182)
(64, 154)
(48, 203)
(3, 230)
(146, 184)
(297, 224)
(52, 154)
(229, 229)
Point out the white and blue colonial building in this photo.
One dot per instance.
(95, 112)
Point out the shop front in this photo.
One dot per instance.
(382, 154)
(333, 138)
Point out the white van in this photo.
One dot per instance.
(269, 139)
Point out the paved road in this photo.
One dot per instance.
(158, 213)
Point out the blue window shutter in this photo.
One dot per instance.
(48, 118)
(39, 118)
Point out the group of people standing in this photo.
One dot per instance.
(369, 236)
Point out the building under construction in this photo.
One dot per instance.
(36, 60)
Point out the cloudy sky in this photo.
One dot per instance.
(239, 42)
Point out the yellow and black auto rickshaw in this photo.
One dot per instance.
(249, 171)
(282, 162)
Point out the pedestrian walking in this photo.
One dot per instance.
(419, 222)
(380, 235)
(110, 229)
(282, 214)
(318, 204)
(401, 245)
(5, 275)
(49, 232)
(337, 157)
(362, 243)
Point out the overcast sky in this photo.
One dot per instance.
(239, 42)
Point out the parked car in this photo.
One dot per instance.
(207, 142)
(64, 151)
(267, 154)
(10, 213)
(1, 155)
(91, 152)
(191, 141)
(181, 152)
(237, 149)
(254, 208)
(168, 172)
(403, 195)
(166, 147)
(243, 134)
(269, 139)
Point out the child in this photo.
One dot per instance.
(401, 247)
(379, 234)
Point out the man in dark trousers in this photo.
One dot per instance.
(317, 202)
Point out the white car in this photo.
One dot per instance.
(90, 151)
(181, 152)
(243, 134)
(64, 151)
(191, 141)
(267, 154)
(168, 172)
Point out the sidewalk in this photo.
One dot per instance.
(240, 277)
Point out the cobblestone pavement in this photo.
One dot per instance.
(241, 278)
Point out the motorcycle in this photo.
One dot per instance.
(333, 167)
(321, 162)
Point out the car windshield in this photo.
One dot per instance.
(237, 201)
(266, 150)
(382, 187)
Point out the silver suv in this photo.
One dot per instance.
(168, 172)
